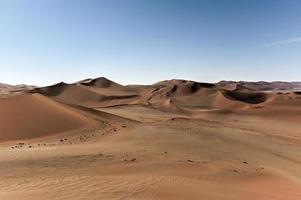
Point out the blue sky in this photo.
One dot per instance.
(144, 41)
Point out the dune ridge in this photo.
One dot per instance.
(171, 95)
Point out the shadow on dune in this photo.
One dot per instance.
(246, 97)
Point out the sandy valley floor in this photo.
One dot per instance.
(210, 156)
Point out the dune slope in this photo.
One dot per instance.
(32, 115)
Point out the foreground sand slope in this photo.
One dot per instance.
(166, 156)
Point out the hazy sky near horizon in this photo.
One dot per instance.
(144, 41)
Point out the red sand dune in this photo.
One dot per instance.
(41, 112)
(91, 96)
(170, 95)
(32, 115)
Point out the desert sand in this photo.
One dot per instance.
(175, 139)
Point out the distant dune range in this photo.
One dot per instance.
(172, 94)
(28, 112)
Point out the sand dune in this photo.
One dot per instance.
(11, 90)
(80, 94)
(29, 116)
(171, 95)
(247, 97)
(101, 82)
(175, 139)
(260, 85)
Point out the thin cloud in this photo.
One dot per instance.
(282, 42)
(268, 35)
